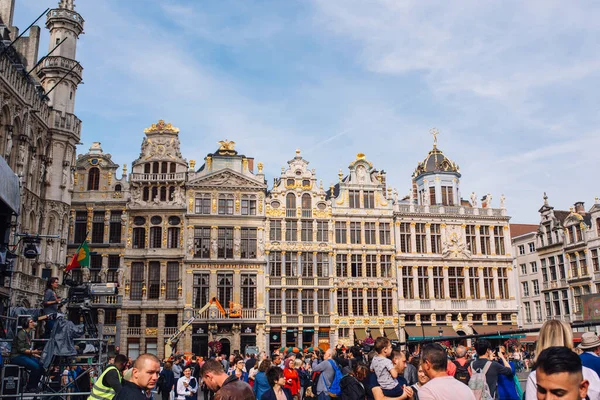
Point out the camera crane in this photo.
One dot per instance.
(171, 342)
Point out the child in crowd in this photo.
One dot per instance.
(384, 368)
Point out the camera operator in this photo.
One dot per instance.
(50, 303)
(23, 355)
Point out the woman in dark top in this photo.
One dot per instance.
(23, 355)
(352, 388)
(277, 381)
(168, 381)
(50, 303)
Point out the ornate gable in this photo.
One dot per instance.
(226, 178)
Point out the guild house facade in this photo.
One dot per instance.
(294, 264)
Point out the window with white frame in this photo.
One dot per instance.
(523, 269)
(532, 247)
(521, 249)
(536, 287)
(525, 289)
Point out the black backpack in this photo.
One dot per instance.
(462, 372)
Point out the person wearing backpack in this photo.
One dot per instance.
(490, 369)
(460, 368)
(441, 386)
(329, 372)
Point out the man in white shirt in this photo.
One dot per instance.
(441, 386)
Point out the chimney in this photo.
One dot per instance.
(579, 207)
(251, 165)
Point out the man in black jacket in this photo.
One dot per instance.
(143, 377)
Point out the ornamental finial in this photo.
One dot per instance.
(545, 199)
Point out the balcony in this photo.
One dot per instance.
(323, 282)
(291, 281)
(157, 178)
(290, 213)
(425, 304)
(134, 331)
(247, 314)
(491, 304)
(170, 331)
(306, 213)
(66, 122)
(449, 210)
(109, 301)
(324, 319)
(458, 304)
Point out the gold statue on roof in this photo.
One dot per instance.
(227, 145)
(434, 132)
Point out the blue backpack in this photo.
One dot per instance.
(335, 390)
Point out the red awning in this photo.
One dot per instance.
(529, 339)
(577, 336)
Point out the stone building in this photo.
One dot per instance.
(529, 284)
(568, 244)
(99, 215)
(224, 257)
(38, 135)
(365, 281)
(299, 247)
(453, 256)
(154, 250)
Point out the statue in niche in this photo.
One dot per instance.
(236, 248)
(48, 174)
(21, 159)
(65, 176)
(214, 248)
(261, 245)
(33, 164)
(136, 195)
(50, 251)
(473, 199)
(9, 145)
(190, 245)
(120, 274)
(361, 174)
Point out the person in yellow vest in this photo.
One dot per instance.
(108, 385)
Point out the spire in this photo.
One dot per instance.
(67, 4)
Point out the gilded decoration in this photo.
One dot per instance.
(227, 145)
(161, 126)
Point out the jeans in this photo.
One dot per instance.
(48, 329)
(33, 366)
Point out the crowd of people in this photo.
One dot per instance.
(377, 372)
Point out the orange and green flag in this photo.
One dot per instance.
(81, 257)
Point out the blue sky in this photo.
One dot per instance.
(512, 86)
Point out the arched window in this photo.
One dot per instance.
(118, 188)
(154, 193)
(147, 168)
(306, 201)
(598, 226)
(171, 193)
(93, 179)
(173, 167)
(163, 193)
(290, 201)
(163, 167)
(155, 167)
(146, 193)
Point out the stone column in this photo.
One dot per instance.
(283, 257)
(212, 288)
(481, 285)
(413, 237)
(214, 234)
(348, 232)
(237, 287)
(428, 237)
(496, 286)
(363, 269)
(379, 301)
(446, 282)
(430, 282)
(378, 264)
(299, 264)
(492, 241)
(350, 308)
(467, 282)
(477, 240)
(106, 225)
(400, 281)
(365, 303)
(377, 234)
(396, 236)
(237, 238)
(438, 190)
(415, 272)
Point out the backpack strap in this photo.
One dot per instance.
(487, 366)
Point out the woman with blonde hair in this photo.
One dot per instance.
(559, 333)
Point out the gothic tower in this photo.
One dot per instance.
(60, 74)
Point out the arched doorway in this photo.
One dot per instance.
(226, 346)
